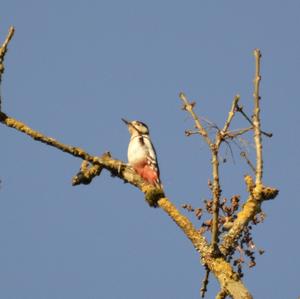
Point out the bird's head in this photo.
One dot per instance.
(136, 127)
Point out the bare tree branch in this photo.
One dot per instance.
(3, 51)
(256, 119)
(205, 281)
(257, 191)
(230, 114)
(216, 198)
(240, 109)
(235, 133)
(257, 194)
(189, 107)
(244, 155)
(124, 171)
(223, 271)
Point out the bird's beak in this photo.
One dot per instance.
(126, 121)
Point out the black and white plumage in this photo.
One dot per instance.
(141, 153)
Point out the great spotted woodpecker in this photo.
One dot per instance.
(141, 153)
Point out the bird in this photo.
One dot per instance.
(141, 153)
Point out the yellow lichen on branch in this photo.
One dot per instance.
(257, 194)
(21, 127)
(223, 271)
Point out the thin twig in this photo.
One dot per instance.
(244, 155)
(3, 51)
(238, 132)
(189, 107)
(216, 190)
(210, 124)
(240, 109)
(256, 118)
(205, 282)
(231, 113)
(190, 132)
(230, 149)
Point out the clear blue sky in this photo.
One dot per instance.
(74, 68)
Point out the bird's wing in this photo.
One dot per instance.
(151, 155)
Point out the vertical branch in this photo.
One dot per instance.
(214, 148)
(256, 119)
(215, 171)
(216, 198)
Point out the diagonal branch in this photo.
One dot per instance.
(228, 279)
(124, 171)
(189, 107)
(245, 156)
(205, 281)
(240, 109)
(3, 51)
(252, 207)
(230, 114)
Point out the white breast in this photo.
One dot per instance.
(136, 151)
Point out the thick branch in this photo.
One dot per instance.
(256, 118)
(222, 295)
(116, 167)
(223, 271)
